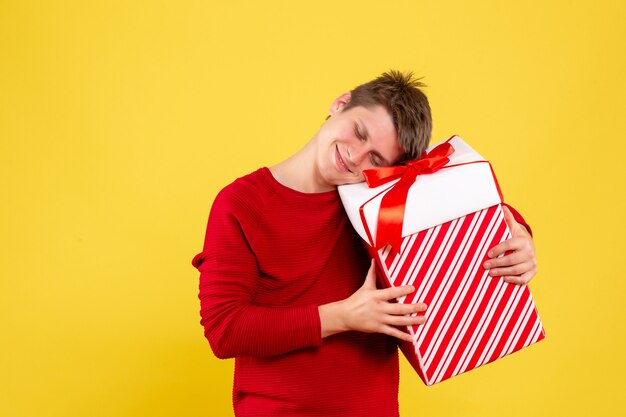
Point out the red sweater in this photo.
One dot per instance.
(271, 256)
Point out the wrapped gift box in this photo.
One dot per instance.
(452, 217)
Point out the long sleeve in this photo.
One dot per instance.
(229, 275)
(271, 256)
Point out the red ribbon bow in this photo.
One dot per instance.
(391, 214)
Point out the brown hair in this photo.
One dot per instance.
(408, 106)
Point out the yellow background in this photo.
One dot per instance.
(120, 121)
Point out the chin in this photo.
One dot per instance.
(344, 181)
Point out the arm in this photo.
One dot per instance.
(519, 264)
(233, 325)
(371, 310)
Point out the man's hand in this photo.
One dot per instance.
(519, 266)
(371, 310)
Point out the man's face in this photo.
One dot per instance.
(354, 140)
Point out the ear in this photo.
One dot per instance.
(339, 103)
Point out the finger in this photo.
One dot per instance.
(406, 320)
(394, 292)
(509, 219)
(400, 308)
(514, 270)
(498, 249)
(513, 258)
(370, 279)
(392, 331)
(518, 269)
(520, 280)
(510, 244)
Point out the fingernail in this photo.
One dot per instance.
(487, 265)
(490, 253)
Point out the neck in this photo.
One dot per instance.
(299, 171)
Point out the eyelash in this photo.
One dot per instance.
(358, 133)
(373, 158)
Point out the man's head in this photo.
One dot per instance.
(383, 122)
(407, 105)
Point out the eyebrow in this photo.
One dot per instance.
(366, 133)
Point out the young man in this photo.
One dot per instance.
(285, 286)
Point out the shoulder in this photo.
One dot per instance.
(245, 195)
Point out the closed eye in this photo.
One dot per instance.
(376, 161)
(358, 133)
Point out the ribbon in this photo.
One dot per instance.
(393, 204)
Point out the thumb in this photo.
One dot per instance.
(510, 220)
(370, 279)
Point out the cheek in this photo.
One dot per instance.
(367, 164)
(345, 133)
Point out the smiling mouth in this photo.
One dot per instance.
(340, 163)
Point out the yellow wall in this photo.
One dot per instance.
(120, 121)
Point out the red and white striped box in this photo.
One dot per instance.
(452, 218)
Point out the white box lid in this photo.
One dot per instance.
(433, 199)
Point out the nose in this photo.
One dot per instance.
(357, 153)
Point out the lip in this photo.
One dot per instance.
(341, 165)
